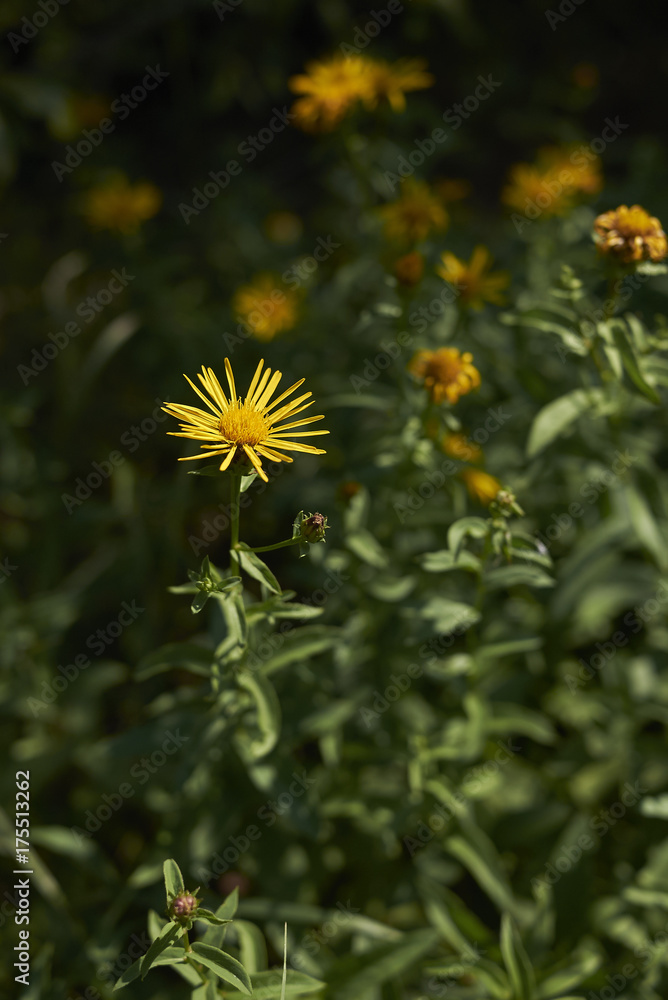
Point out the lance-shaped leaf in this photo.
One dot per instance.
(167, 936)
(225, 967)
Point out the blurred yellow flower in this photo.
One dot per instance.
(458, 446)
(265, 308)
(630, 235)
(415, 214)
(446, 373)
(330, 88)
(551, 186)
(392, 82)
(473, 285)
(481, 485)
(121, 206)
(244, 431)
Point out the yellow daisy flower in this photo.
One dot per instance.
(121, 206)
(245, 431)
(265, 307)
(392, 82)
(481, 485)
(330, 88)
(415, 213)
(630, 235)
(474, 287)
(446, 373)
(554, 182)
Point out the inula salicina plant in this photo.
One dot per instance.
(366, 703)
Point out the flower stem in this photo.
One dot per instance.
(235, 492)
(277, 545)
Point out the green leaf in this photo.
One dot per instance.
(645, 526)
(268, 711)
(253, 565)
(448, 615)
(512, 576)
(558, 415)
(252, 948)
(199, 600)
(475, 527)
(215, 935)
(267, 985)
(176, 656)
(167, 936)
(173, 879)
(356, 974)
(207, 917)
(247, 481)
(302, 644)
(129, 975)
(631, 363)
(225, 967)
(516, 960)
(444, 561)
(568, 975)
(362, 544)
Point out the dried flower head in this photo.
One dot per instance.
(630, 235)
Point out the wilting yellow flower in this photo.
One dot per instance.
(446, 373)
(480, 485)
(630, 235)
(121, 206)
(245, 431)
(552, 185)
(458, 446)
(409, 269)
(474, 286)
(265, 307)
(415, 213)
(392, 82)
(330, 88)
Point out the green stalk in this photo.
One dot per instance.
(277, 545)
(235, 493)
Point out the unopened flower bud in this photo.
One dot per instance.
(313, 528)
(183, 907)
(505, 504)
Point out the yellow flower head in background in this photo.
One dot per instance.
(121, 206)
(553, 184)
(245, 430)
(473, 285)
(630, 235)
(409, 269)
(415, 214)
(481, 485)
(392, 82)
(459, 446)
(265, 307)
(446, 373)
(330, 88)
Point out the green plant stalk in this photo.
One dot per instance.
(235, 493)
(276, 545)
(189, 960)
